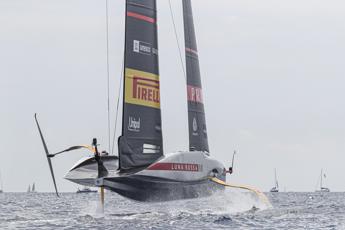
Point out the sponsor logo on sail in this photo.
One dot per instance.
(151, 149)
(195, 126)
(155, 51)
(143, 48)
(133, 124)
(194, 94)
(204, 130)
(145, 89)
(142, 88)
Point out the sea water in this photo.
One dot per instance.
(228, 210)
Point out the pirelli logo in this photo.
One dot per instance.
(142, 88)
(194, 94)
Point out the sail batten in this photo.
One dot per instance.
(141, 121)
(196, 115)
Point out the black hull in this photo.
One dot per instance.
(152, 189)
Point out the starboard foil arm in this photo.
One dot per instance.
(260, 194)
(47, 154)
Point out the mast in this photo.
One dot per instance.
(141, 141)
(196, 115)
(321, 180)
(275, 178)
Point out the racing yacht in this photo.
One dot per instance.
(142, 171)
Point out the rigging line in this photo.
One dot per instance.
(117, 108)
(317, 183)
(177, 42)
(108, 75)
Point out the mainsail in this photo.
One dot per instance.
(196, 115)
(141, 140)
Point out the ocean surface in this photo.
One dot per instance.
(228, 210)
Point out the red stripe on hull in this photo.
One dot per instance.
(140, 17)
(176, 167)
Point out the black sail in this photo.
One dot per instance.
(141, 141)
(196, 115)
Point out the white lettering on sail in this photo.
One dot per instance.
(151, 149)
(136, 45)
(134, 124)
(143, 48)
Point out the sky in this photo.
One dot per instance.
(272, 73)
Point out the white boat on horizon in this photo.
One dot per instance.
(86, 190)
(322, 188)
(276, 185)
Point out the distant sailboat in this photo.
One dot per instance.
(276, 186)
(322, 188)
(1, 188)
(31, 189)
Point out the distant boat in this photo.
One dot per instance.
(276, 186)
(86, 190)
(31, 189)
(322, 188)
(1, 188)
